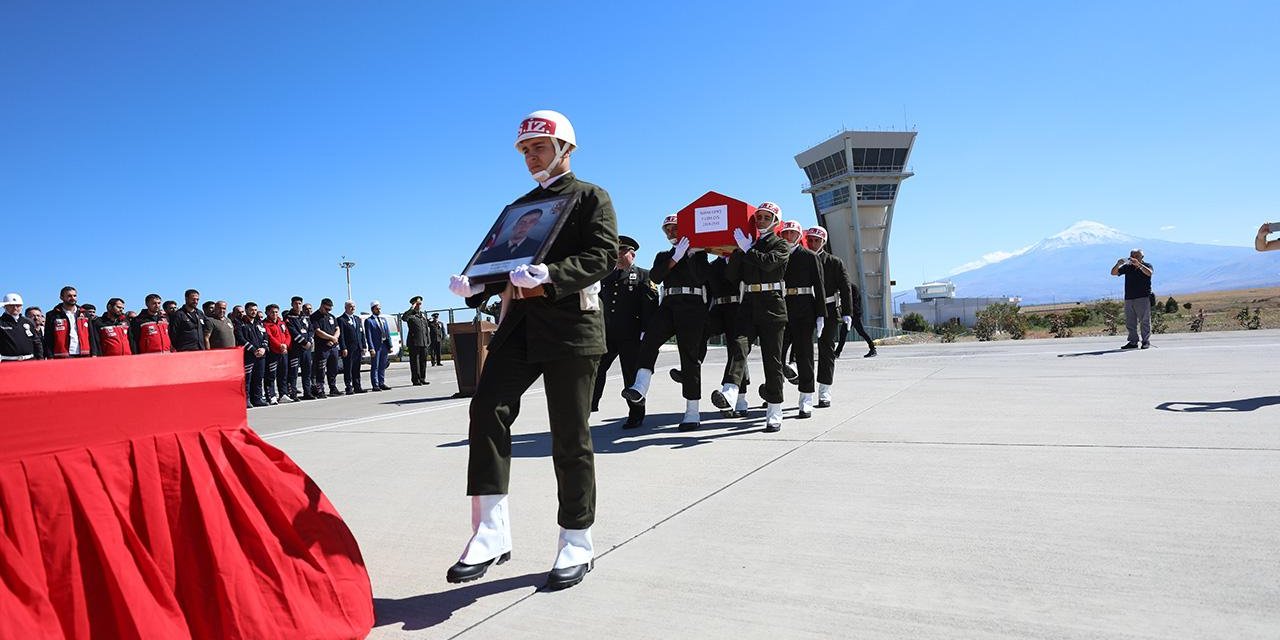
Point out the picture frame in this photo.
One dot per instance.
(522, 234)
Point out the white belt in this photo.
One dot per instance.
(16, 358)
(724, 300)
(832, 299)
(690, 291)
(765, 286)
(800, 291)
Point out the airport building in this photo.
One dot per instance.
(854, 179)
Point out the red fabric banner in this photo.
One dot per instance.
(135, 502)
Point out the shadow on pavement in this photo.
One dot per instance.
(1244, 404)
(610, 437)
(418, 400)
(1094, 353)
(430, 609)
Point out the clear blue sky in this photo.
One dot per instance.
(242, 148)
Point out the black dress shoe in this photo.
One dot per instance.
(633, 421)
(564, 578)
(1146, 345)
(804, 414)
(384, 388)
(677, 376)
(632, 395)
(461, 572)
(1129, 345)
(772, 428)
(358, 390)
(789, 372)
(823, 404)
(736, 414)
(721, 403)
(688, 426)
(333, 391)
(871, 353)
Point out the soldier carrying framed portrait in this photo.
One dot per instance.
(522, 235)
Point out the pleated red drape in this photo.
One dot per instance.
(135, 502)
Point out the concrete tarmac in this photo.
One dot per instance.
(1010, 489)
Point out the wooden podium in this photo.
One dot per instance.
(470, 345)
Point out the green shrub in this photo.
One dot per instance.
(1059, 326)
(1249, 321)
(951, 330)
(1186, 305)
(1158, 323)
(1078, 316)
(1170, 305)
(1109, 311)
(914, 322)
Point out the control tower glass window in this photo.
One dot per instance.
(827, 168)
(832, 198)
(877, 191)
(879, 160)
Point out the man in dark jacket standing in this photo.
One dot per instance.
(629, 300)
(352, 347)
(683, 273)
(418, 339)
(325, 360)
(436, 330)
(251, 336)
(1137, 297)
(551, 328)
(301, 348)
(187, 324)
(68, 333)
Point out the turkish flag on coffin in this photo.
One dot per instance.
(709, 221)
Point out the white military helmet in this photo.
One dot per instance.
(11, 299)
(671, 219)
(546, 123)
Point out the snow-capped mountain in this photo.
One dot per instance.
(1075, 264)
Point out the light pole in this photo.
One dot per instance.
(347, 265)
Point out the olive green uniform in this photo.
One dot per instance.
(682, 313)
(722, 319)
(806, 302)
(761, 314)
(836, 279)
(551, 337)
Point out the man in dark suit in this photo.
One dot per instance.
(519, 245)
(352, 336)
(377, 338)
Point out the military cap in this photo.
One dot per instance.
(628, 242)
(415, 300)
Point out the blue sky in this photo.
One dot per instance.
(242, 149)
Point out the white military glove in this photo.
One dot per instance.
(741, 238)
(461, 286)
(848, 321)
(822, 322)
(528, 276)
(682, 247)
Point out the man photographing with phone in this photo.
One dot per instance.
(1137, 297)
(1261, 243)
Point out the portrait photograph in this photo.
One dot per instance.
(522, 234)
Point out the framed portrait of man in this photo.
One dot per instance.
(522, 234)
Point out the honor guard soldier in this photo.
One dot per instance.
(418, 338)
(187, 324)
(301, 348)
(435, 330)
(835, 277)
(551, 328)
(67, 332)
(759, 265)
(806, 309)
(149, 330)
(629, 299)
(683, 274)
(18, 337)
(112, 330)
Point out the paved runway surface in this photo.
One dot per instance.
(1038, 489)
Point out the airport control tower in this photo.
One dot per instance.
(872, 165)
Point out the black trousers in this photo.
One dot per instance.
(418, 363)
(685, 317)
(857, 326)
(801, 322)
(569, 382)
(277, 381)
(325, 363)
(435, 353)
(300, 363)
(254, 369)
(351, 369)
(723, 320)
(627, 352)
(770, 336)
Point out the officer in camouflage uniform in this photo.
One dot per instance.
(629, 299)
(551, 328)
(806, 309)
(682, 271)
(760, 266)
(836, 279)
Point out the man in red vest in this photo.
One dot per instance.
(112, 331)
(149, 330)
(67, 333)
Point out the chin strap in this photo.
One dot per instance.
(545, 174)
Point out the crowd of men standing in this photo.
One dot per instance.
(295, 354)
